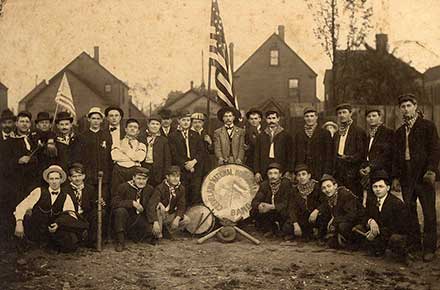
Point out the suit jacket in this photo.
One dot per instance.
(355, 151)
(65, 150)
(424, 149)
(301, 208)
(208, 150)
(347, 209)
(93, 152)
(162, 194)
(281, 199)
(172, 130)
(283, 149)
(250, 139)
(89, 197)
(316, 152)
(392, 219)
(161, 157)
(222, 146)
(178, 150)
(127, 193)
(380, 155)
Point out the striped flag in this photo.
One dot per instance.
(219, 59)
(64, 97)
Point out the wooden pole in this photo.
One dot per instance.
(99, 228)
(208, 102)
(54, 117)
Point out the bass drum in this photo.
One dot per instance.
(228, 191)
(201, 220)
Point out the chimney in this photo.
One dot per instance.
(191, 85)
(231, 55)
(281, 31)
(96, 53)
(382, 43)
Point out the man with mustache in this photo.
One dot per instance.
(66, 139)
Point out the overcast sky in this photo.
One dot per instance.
(160, 42)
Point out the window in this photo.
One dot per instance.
(108, 88)
(294, 88)
(274, 57)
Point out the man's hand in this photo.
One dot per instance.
(24, 159)
(19, 229)
(374, 227)
(207, 139)
(264, 207)
(365, 171)
(138, 206)
(189, 165)
(429, 177)
(297, 229)
(258, 177)
(238, 161)
(175, 223)
(156, 229)
(313, 216)
(53, 228)
(396, 185)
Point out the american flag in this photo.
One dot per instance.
(64, 97)
(219, 59)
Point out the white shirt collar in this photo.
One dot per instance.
(94, 130)
(52, 190)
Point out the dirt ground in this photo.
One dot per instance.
(183, 264)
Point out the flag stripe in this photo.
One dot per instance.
(64, 96)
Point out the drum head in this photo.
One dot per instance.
(228, 191)
(201, 220)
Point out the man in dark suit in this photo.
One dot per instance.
(167, 123)
(197, 125)
(314, 146)
(158, 157)
(229, 139)
(186, 148)
(274, 144)
(114, 116)
(415, 164)
(379, 150)
(66, 139)
(385, 219)
(350, 149)
(253, 130)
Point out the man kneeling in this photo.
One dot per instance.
(52, 211)
(270, 204)
(130, 204)
(168, 202)
(386, 219)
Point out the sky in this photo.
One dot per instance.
(159, 42)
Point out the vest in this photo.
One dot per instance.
(44, 208)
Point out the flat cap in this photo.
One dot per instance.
(301, 167)
(309, 110)
(326, 177)
(24, 114)
(254, 111)
(184, 114)
(141, 171)
(274, 165)
(407, 97)
(198, 116)
(372, 109)
(343, 106)
(172, 169)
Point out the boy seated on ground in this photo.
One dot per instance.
(385, 220)
(47, 213)
(169, 204)
(85, 200)
(340, 214)
(130, 203)
(271, 203)
(307, 203)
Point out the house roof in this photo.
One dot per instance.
(2, 86)
(35, 91)
(432, 73)
(196, 91)
(279, 39)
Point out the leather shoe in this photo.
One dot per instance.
(119, 247)
(428, 257)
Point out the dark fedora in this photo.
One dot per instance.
(224, 110)
(7, 115)
(379, 175)
(254, 111)
(114, 108)
(165, 113)
(43, 116)
(61, 116)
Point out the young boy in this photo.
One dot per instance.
(169, 202)
(85, 199)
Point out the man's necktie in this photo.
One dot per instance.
(55, 192)
(113, 129)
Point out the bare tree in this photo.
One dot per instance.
(2, 7)
(141, 95)
(340, 23)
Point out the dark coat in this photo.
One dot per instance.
(172, 130)
(161, 157)
(162, 194)
(301, 208)
(250, 139)
(347, 209)
(283, 149)
(393, 219)
(127, 193)
(424, 149)
(65, 151)
(89, 197)
(316, 152)
(281, 200)
(178, 150)
(93, 152)
(380, 155)
(7, 198)
(208, 154)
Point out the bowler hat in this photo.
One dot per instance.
(326, 177)
(254, 111)
(172, 169)
(61, 116)
(95, 110)
(343, 106)
(274, 165)
(166, 113)
(301, 167)
(54, 168)
(43, 116)
(407, 97)
(7, 115)
(224, 110)
(379, 175)
(114, 108)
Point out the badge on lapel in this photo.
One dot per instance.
(104, 144)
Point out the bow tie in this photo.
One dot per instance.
(113, 128)
(229, 128)
(55, 192)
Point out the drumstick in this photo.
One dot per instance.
(198, 224)
(246, 235)
(208, 236)
(203, 221)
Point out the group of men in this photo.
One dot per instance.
(332, 182)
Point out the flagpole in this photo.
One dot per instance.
(54, 117)
(208, 103)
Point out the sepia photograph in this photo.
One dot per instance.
(219, 144)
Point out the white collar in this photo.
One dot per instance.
(94, 130)
(56, 190)
(382, 199)
(117, 126)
